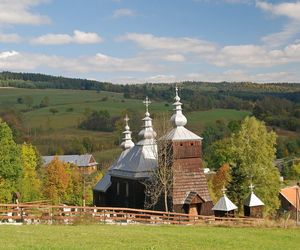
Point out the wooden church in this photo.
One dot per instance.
(122, 186)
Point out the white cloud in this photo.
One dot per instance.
(123, 13)
(79, 37)
(255, 56)
(179, 45)
(6, 54)
(12, 60)
(86, 37)
(19, 12)
(174, 58)
(10, 38)
(289, 10)
(178, 49)
(278, 39)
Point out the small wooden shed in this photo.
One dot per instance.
(253, 206)
(224, 207)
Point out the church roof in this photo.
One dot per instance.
(103, 184)
(140, 160)
(224, 204)
(181, 134)
(253, 201)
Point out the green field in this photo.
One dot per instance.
(45, 127)
(146, 237)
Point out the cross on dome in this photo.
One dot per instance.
(126, 119)
(224, 190)
(251, 187)
(127, 140)
(147, 102)
(177, 98)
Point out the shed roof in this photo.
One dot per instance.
(79, 160)
(224, 204)
(289, 193)
(253, 201)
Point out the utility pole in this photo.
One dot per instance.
(297, 203)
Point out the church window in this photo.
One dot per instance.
(118, 188)
(127, 189)
(192, 144)
(181, 144)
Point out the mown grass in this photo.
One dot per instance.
(145, 237)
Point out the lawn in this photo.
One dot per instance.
(145, 237)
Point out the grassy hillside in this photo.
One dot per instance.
(46, 128)
(146, 237)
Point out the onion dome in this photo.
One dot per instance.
(127, 140)
(178, 119)
(147, 132)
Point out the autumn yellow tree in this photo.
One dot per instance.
(220, 180)
(29, 184)
(56, 181)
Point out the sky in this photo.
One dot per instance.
(136, 41)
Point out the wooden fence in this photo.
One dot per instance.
(47, 214)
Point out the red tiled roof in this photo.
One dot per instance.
(290, 194)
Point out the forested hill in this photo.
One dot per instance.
(159, 91)
(41, 81)
(36, 80)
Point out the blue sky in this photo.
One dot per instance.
(134, 41)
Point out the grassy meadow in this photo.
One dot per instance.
(45, 127)
(145, 237)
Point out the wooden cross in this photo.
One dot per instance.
(147, 102)
(126, 119)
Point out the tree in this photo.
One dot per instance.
(159, 186)
(74, 192)
(10, 162)
(29, 184)
(221, 179)
(44, 102)
(53, 111)
(56, 182)
(253, 153)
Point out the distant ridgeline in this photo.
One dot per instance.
(208, 91)
(41, 81)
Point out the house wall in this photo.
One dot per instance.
(126, 193)
(256, 212)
